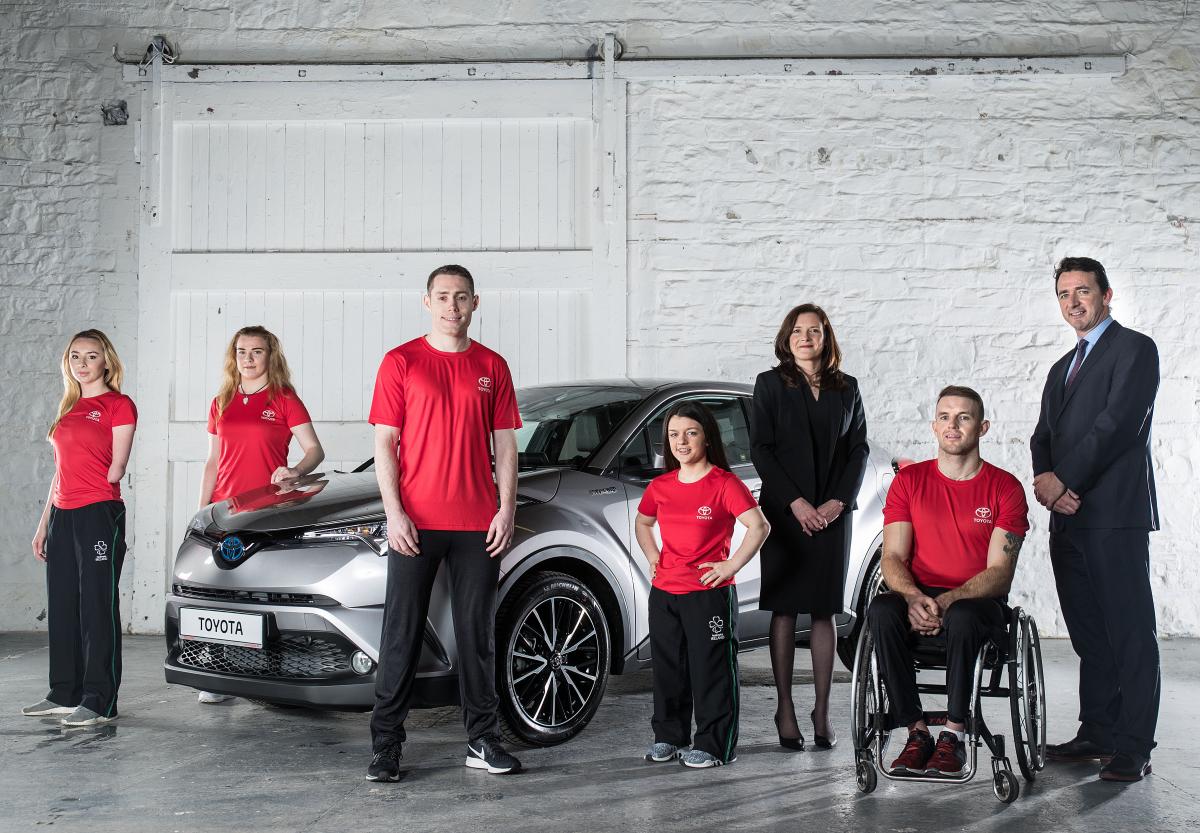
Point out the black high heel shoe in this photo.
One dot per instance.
(795, 744)
(820, 740)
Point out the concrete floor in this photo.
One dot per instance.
(170, 765)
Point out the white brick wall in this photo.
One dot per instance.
(924, 214)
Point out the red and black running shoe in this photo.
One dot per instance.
(949, 756)
(916, 754)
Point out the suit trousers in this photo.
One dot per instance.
(473, 577)
(85, 550)
(693, 646)
(1103, 579)
(966, 626)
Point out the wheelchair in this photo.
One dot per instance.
(1018, 652)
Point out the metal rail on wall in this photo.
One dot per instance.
(628, 69)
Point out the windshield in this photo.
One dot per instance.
(564, 425)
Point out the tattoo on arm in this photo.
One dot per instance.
(1012, 546)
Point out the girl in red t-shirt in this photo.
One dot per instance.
(693, 604)
(81, 534)
(251, 423)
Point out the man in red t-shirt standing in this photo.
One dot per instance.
(953, 528)
(443, 403)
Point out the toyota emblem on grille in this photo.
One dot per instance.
(232, 549)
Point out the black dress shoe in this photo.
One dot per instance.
(819, 740)
(1125, 766)
(795, 744)
(1078, 750)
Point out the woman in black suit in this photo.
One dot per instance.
(809, 437)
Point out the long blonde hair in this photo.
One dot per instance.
(114, 374)
(279, 377)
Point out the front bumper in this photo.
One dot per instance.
(304, 660)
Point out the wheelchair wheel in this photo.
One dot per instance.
(1005, 786)
(1027, 696)
(870, 707)
(866, 777)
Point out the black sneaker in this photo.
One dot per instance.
(385, 766)
(487, 753)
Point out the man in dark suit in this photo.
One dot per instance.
(1092, 469)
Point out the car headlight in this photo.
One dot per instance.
(372, 534)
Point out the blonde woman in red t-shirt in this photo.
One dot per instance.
(693, 604)
(251, 423)
(81, 534)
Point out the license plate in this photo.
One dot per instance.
(223, 626)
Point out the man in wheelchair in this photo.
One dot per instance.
(953, 528)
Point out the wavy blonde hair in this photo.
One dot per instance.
(114, 374)
(279, 377)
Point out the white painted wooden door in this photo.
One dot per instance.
(317, 210)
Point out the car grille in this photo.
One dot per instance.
(289, 657)
(220, 594)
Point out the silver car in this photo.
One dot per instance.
(277, 594)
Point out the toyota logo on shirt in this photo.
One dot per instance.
(983, 515)
(268, 415)
(704, 513)
(485, 384)
(94, 416)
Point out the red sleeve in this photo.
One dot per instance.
(124, 412)
(1014, 509)
(212, 417)
(737, 496)
(505, 413)
(649, 503)
(296, 414)
(896, 508)
(387, 403)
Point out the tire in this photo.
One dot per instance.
(553, 657)
(866, 777)
(1005, 786)
(869, 723)
(848, 645)
(1027, 697)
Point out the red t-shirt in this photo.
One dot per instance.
(953, 519)
(446, 406)
(696, 523)
(83, 449)
(254, 439)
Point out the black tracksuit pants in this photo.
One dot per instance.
(693, 646)
(473, 576)
(85, 549)
(1103, 579)
(966, 626)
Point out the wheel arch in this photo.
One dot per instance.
(875, 554)
(598, 575)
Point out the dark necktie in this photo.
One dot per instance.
(1079, 351)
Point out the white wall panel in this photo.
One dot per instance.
(427, 185)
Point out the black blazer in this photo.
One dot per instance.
(782, 449)
(1096, 436)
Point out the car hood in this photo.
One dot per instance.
(318, 500)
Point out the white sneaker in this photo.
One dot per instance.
(84, 716)
(699, 759)
(208, 698)
(661, 751)
(46, 707)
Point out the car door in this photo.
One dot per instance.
(641, 460)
